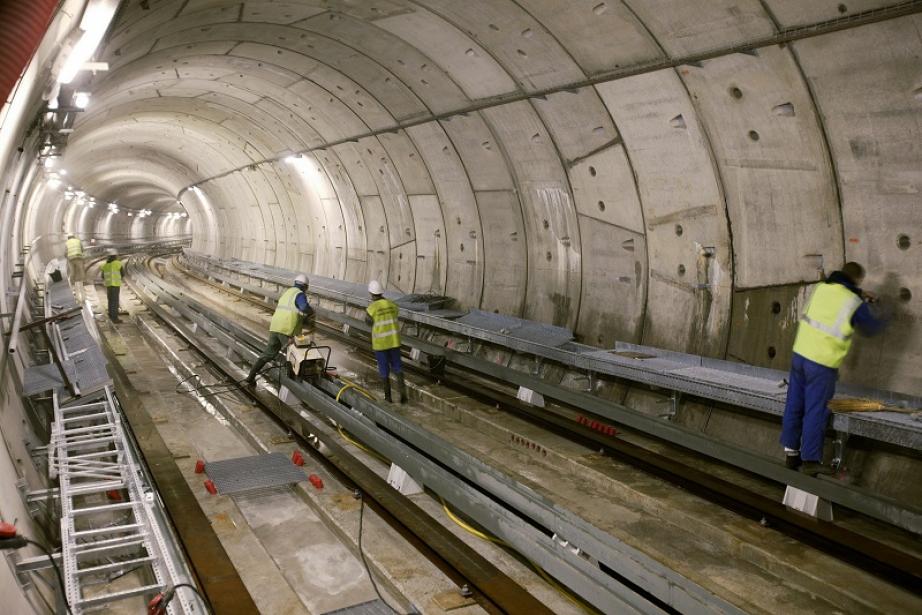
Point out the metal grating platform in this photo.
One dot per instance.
(373, 607)
(250, 473)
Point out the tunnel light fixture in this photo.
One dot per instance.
(94, 24)
(63, 171)
(53, 182)
(81, 99)
(50, 161)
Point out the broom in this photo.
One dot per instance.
(853, 404)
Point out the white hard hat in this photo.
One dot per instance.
(374, 287)
(301, 279)
(112, 252)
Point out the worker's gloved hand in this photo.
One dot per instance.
(869, 296)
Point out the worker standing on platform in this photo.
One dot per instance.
(111, 272)
(836, 309)
(290, 313)
(75, 270)
(385, 339)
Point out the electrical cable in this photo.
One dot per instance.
(541, 572)
(361, 499)
(57, 571)
(171, 593)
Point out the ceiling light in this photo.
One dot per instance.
(50, 162)
(54, 182)
(95, 22)
(81, 99)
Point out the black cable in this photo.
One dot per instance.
(172, 595)
(361, 499)
(57, 571)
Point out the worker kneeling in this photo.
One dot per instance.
(290, 314)
(385, 339)
(824, 336)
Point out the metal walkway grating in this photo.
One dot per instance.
(256, 472)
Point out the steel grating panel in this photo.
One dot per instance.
(255, 472)
(372, 607)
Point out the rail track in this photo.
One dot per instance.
(894, 565)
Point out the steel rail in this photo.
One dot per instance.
(879, 558)
(855, 498)
(497, 592)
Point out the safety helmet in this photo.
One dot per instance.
(301, 280)
(374, 287)
(111, 252)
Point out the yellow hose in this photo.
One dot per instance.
(544, 575)
(352, 385)
(361, 446)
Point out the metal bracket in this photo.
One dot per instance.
(839, 447)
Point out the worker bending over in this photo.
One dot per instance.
(385, 339)
(111, 272)
(290, 314)
(75, 271)
(836, 309)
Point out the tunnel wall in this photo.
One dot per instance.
(478, 149)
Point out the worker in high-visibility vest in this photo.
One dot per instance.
(75, 271)
(836, 309)
(291, 313)
(385, 340)
(112, 275)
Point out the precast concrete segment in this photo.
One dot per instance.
(267, 81)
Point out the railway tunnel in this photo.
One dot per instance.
(604, 217)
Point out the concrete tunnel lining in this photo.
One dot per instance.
(519, 176)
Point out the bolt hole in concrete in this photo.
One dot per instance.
(776, 307)
(592, 171)
(903, 242)
(546, 224)
(601, 205)
(735, 92)
(843, 8)
(771, 352)
(753, 135)
(905, 295)
(679, 230)
(548, 256)
(681, 270)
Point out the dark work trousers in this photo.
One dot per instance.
(803, 427)
(277, 341)
(112, 296)
(389, 361)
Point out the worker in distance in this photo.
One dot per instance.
(836, 309)
(381, 314)
(111, 272)
(75, 268)
(291, 313)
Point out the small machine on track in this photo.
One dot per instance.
(305, 360)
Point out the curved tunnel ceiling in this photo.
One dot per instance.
(669, 172)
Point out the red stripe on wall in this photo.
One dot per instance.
(22, 26)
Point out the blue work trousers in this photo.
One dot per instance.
(389, 361)
(810, 387)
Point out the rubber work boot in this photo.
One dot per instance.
(813, 468)
(402, 388)
(387, 390)
(792, 460)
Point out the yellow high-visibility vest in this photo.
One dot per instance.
(824, 334)
(385, 332)
(287, 319)
(74, 248)
(112, 273)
